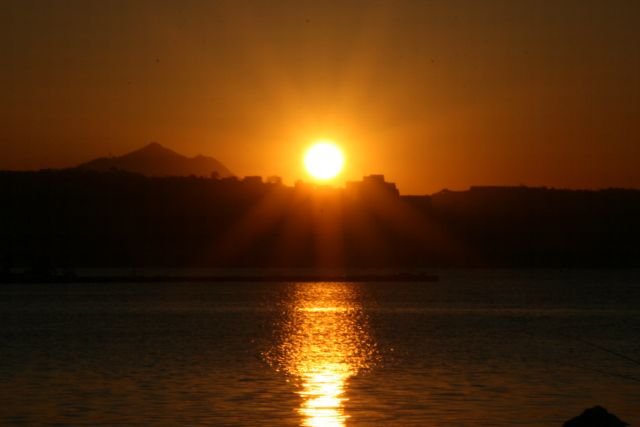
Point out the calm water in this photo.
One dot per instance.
(476, 348)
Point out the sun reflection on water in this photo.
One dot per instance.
(324, 342)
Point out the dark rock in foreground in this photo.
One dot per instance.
(595, 417)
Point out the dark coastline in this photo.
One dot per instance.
(71, 219)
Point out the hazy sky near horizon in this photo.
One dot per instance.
(432, 94)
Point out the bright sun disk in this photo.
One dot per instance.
(324, 160)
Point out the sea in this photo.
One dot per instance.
(475, 348)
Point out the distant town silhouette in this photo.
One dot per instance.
(66, 219)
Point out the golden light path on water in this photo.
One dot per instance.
(324, 342)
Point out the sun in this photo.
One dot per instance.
(324, 160)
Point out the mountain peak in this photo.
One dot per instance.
(156, 160)
(154, 148)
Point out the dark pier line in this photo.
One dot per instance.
(400, 277)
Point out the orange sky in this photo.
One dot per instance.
(432, 94)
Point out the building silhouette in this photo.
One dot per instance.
(372, 185)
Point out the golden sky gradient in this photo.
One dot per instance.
(432, 94)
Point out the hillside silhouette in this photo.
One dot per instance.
(156, 160)
(80, 218)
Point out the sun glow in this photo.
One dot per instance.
(324, 160)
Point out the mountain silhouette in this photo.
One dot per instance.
(156, 160)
